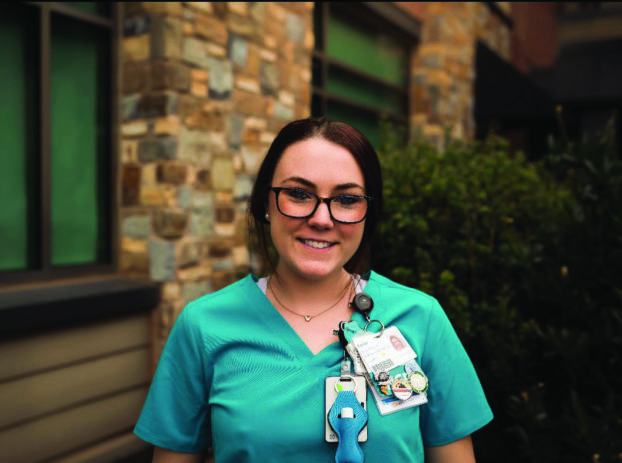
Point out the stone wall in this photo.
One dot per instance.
(444, 64)
(205, 88)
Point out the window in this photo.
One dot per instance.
(56, 161)
(361, 65)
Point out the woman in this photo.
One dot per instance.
(244, 367)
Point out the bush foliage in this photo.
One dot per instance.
(526, 259)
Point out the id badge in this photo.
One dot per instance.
(347, 382)
(394, 376)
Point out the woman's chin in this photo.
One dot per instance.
(316, 272)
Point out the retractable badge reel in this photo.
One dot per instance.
(363, 304)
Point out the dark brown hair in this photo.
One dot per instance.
(341, 134)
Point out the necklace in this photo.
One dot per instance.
(307, 318)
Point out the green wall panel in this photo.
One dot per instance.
(14, 135)
(374, 53)
(366, 123)
(74, 143)
(100, 8)
(349, 86)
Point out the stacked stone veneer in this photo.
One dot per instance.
(205, 88)
(444, 63)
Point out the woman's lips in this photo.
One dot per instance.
(316, 244)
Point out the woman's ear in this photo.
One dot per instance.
(266, 206)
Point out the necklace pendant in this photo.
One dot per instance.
(308, 318)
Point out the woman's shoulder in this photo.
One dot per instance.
(393, 289)
(225, 300)
(232, 290)
(397, 301)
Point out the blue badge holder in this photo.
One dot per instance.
(347, 417)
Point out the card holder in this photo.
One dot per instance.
(356, 383)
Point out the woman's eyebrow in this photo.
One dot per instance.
(301, 180)
(309, 184)
(347, 186)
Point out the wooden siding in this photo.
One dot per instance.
(65, 391)
(117, 449)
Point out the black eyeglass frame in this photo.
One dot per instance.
(318, 199)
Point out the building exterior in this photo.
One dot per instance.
(206, 87)
(562, 77)
(133, 134)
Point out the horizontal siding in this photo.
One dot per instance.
(38, 395)
(63, 432)
(71, 390)
(28, 355)
(115, 449)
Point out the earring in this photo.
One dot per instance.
(267, 216)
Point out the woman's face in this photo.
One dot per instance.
(316, 247)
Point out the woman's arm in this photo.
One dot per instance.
(161, 455)
(460, 451)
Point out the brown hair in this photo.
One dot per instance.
(341, 134)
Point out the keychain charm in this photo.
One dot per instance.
(344, 383)
(347, 417)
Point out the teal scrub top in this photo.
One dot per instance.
(234, 375)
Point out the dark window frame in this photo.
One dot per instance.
(40, 244)
(386, 18)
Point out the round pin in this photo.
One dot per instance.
(401, 389)
(418, 381)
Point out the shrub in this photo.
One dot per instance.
(580, 334)
(509, 248)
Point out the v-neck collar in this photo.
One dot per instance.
(272, 317)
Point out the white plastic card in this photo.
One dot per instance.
(388, 352)
(383, 352)
(357, 362)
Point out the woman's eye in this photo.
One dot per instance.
(347, 200)
(299, 195)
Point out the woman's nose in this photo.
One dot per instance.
(321, 217)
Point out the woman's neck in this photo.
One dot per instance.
(313, 293)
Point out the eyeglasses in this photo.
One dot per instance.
(297, 203)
